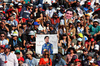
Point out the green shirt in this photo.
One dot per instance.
(94, 30)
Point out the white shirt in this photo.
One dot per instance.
(4, 42)
(11, 60)
(50, 12)
(48, 1)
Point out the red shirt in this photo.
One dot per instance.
(19, 9)
(54, 21)
(42, 62)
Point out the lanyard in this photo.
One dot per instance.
(30, 62)
(5, 57)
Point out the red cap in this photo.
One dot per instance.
(89, 3)
(77, 60)
(21, 59)
(2, 46)
(92, 39)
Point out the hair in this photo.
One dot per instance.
(71, 11)
(2, 33)
(45, 53)
(46, 37)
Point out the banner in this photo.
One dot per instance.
(46, 42)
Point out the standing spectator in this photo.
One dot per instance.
(31, 61)
(45, 60)
(8, 58)
(3, 41)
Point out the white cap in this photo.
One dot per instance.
(1, 6)
(15, 33)
(12, 4)
(96, 47)
(95, 20)
(19, 3)
(31, 33)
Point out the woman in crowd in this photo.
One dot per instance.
(45, 61)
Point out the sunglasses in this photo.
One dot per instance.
(46, 54)
(2, 36)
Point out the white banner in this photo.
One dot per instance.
(40, 42)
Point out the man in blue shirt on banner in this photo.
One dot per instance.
(47, 46)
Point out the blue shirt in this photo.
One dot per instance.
(14, 22)
(32, 62)
(60, 14)
(48, 47)
(59, 63)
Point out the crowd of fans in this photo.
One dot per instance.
(76, 23)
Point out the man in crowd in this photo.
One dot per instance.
(8, 58)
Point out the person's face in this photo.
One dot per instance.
(92, 42)
(20, 62)
(50, 7)
(40, 8)
(36, 26)
(20, 6)
(11, 18)
(46, 55)
(85, 52)
(87, 17)
(78, 24)
(2, 50)
(79, 42)
(78, 64)
(64, 37)
(6, 50)
(28, 55)
(70, 25)
(24, 26)
(17, 48)
(14, 37)
(28, 7)
(2, 36)
(47, 39)
(36, 9)
(95, 24)
(71, 51)
(32, 36)
(89, 57)
(18, 55)
(31, 7)
(69, 14)
(72, 44)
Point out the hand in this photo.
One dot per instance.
(95, 35)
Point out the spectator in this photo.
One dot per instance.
(3, 41)
(21, 62)
(59, 61)
(14, 40)
(6, 58)
(45, 60)
(31, 61)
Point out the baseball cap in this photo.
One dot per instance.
(77, 60)
(78, 21)
(92, 39)
(12, 4)
(89, 3)
(40, 5)
(29, 52)
(80, 35)
(31, 33)
(17, 51)
(96, 20)
(79, 39)
(19, 4)
(21, 59)
(15, 33)
(36, 23)
(37, 20)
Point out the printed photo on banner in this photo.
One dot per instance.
(46, 42)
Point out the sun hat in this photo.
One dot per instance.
(79, 39)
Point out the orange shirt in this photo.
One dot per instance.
(42, 62)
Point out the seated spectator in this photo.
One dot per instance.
(21, 62)
(46, 59)
(94, 29)
(14, 41)
(58, 61)
(55, 20)
(3, 41)
(31, 61)
(71, 52)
